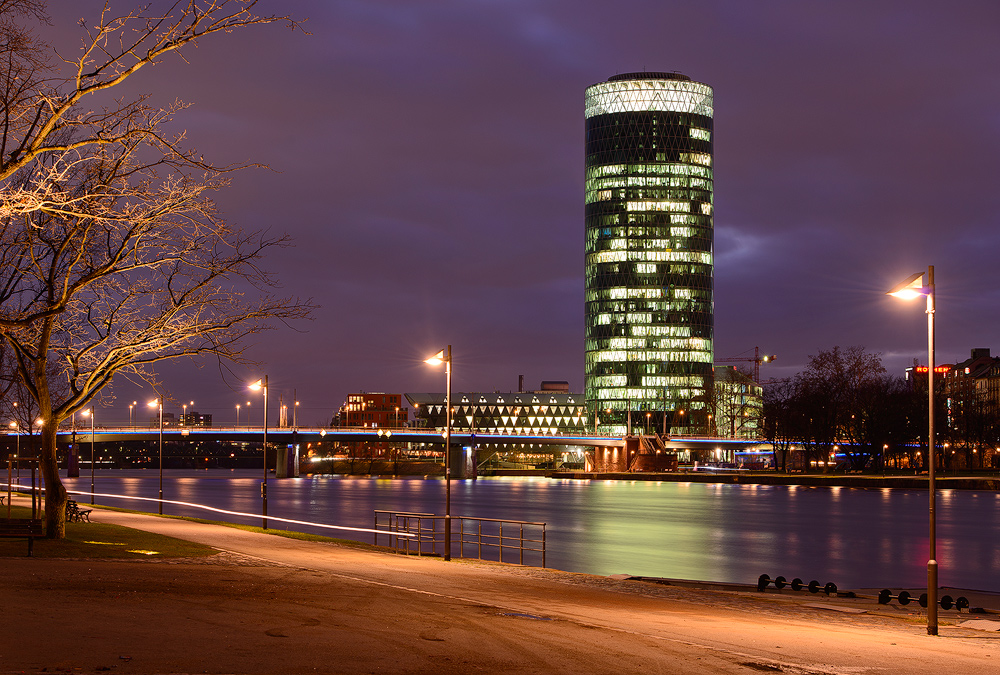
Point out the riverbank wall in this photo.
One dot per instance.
(811, 480)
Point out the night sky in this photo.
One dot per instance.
(427, 158)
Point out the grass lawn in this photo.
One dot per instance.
(103, 540)
(100, 540)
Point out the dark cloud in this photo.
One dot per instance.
(428, 160)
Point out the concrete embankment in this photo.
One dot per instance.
(812, 480)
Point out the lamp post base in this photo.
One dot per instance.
(932, 597)
(447, 536)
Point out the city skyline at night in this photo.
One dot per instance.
(426, 160)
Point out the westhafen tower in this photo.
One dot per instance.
(649, 253)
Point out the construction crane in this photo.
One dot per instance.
(756, 360)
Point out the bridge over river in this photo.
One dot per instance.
(289, 436)
(604, 453)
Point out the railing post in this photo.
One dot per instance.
(521, 548)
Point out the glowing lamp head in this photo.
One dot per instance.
(437, 359)
(911, 289)
(258, 385)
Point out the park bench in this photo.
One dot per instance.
(75, 514)
(22, 528)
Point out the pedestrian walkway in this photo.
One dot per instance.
(271, 604)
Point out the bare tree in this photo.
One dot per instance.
(737, 403)
(779, 421)
(112, 254)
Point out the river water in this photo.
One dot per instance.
(856, 538)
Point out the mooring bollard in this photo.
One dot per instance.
(763, 581)
(885, 596)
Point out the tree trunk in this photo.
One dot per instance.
(55, 493)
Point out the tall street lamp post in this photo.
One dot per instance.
(158, 403)
(17, 452)
(444, 356)
(913, 288)
(262, 386)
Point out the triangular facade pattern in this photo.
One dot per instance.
(559, 416)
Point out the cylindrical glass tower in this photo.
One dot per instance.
(649, 258)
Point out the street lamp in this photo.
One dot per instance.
(444, 356)
(913, 288)
(237, 415)
(158, 403)
(17, 453)
(130, 406)
(184, 417)
(90, 413)
(261, 385)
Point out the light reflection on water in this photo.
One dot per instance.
(855, 538)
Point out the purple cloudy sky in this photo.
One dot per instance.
(427, 158)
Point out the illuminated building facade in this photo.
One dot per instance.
(649, 253)
(373, 410)
(547, 412)
(739, 405)
(530, 413)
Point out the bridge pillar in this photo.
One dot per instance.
(465, 462)
(73, 461)
(287, 462)
(281, 463)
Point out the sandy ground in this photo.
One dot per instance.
(268, 604)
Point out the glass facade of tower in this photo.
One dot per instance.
(649, 253)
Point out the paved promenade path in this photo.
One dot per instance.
(269, 604)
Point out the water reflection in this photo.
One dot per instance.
(855, 538)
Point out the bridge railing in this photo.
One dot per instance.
(502, 540)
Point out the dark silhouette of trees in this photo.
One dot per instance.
(779, 420)
(843, 403)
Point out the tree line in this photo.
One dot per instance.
(844, 411)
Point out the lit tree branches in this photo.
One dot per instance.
(113, 256)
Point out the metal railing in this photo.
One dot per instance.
(479, 538)
(410, 533)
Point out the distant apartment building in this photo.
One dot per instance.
(374, 410)
(169, 420)
(195, 419)
(972, 396)
(739, 405)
